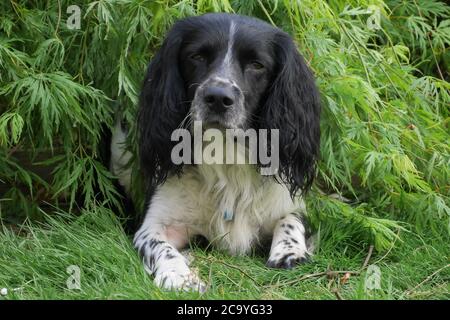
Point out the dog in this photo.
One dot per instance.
(226, 71)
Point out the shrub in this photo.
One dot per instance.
(384, 153)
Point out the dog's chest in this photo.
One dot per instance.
(233, 205)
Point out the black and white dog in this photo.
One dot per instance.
(229, 72)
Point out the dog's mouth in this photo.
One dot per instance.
(210, 120)
(216, 122)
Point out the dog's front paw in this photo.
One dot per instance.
(283, 259)
(180, 281)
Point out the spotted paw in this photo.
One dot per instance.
(287, 260)
(174, 280)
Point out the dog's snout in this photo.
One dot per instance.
(219, 99)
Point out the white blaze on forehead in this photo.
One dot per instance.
(223, 80)
(227, 59)
(224, 74)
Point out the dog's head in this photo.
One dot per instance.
(230, 71)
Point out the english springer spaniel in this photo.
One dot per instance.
(228, 72)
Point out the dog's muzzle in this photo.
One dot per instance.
(219, 102)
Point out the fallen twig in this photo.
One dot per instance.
(234, 267)
(329, 273)
(337, 294)
(366, 261)
(410, 291)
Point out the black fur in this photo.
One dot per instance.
(289, 102)
(293, 106)
(163, 106)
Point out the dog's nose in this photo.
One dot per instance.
(218, 99)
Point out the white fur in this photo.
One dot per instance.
(228, 56)
(198, 200)
(289, 242)
(195, 203)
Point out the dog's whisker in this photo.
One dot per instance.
(194, 84)
(187, 118)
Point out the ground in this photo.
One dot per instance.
(34, 262)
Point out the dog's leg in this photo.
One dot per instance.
(159, 246)
(289, 243)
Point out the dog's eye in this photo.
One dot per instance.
(255, 65)
(197, 57)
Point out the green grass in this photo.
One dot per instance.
(34, 261)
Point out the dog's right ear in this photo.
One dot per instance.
(162, 107)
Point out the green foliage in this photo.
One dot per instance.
(425, 28)
(384, 151)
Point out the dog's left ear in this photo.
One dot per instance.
(293, 107)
